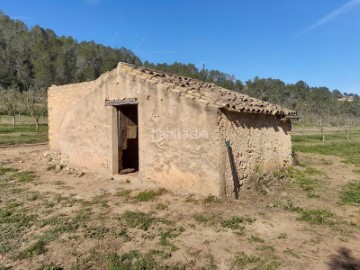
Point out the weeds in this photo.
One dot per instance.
(149, 195)
(39, 247)
(7, 170)
(134, 260)
(317, 216)
(244, 261)
(237, 224)
(138, 220)
(96, 232)
(291, 252)
(350, 193)
(123, 193)
(24, 176)
(161, 206)
(50, 266)
(256, 239)
(210, 219)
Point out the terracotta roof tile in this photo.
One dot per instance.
(208, 93)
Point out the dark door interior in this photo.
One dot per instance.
(128, 137)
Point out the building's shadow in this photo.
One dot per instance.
(344, 261)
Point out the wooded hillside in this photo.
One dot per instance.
(36, 58)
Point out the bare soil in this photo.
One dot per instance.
(81, 218)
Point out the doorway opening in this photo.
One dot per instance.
(128, 138)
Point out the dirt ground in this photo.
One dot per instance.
(76, 220)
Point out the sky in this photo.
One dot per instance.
(317, 41)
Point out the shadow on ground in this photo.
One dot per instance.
(344, 261)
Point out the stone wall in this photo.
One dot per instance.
(260, 143)
(179, 142)
(60, 100)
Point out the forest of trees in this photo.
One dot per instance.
(32, 59)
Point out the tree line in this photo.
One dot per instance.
(33, 59)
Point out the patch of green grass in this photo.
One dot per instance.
(313, 216)
(138, 220)
(50, 266)
(134, 260)
(350, 193)
(317, 216)
(168, 234)
(256, 239)
(23, 138)
(98, 232)
(25, 176)
(357, 171)
(161, 206)
(21, 128)
(208, 219)
(347, 150)
(149, 195)
(123, 233)
(123, 193)
(39, 247)
(236, 223)
(304, 179)
(4, 170)
(242, 260)
(291, 252)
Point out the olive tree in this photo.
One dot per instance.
(36, 103)
(10, 102)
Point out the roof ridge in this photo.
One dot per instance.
(214, 94)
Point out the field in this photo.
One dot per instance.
(66, 219)
(23, 132)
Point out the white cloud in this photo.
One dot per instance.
(332, 15)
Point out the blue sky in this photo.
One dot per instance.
(317, 41)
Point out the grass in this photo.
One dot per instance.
(25, 176)
(123, 193)
(335, 144)
(149, 195)
(134, 260)
(22, 134)
(138, 220)
(244, 261)
(291, 252)
(237, 224)
(256, 239)
(316, 216)
(39, 247)
(23, 138)
(304, 179)
(7, 170)
(21, 128)
(350, 193)
(50, 266)
(169, 234)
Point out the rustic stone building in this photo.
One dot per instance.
(169, 129)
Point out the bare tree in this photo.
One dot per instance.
(36, 104)
(10, 101)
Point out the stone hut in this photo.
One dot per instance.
(189, 136)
